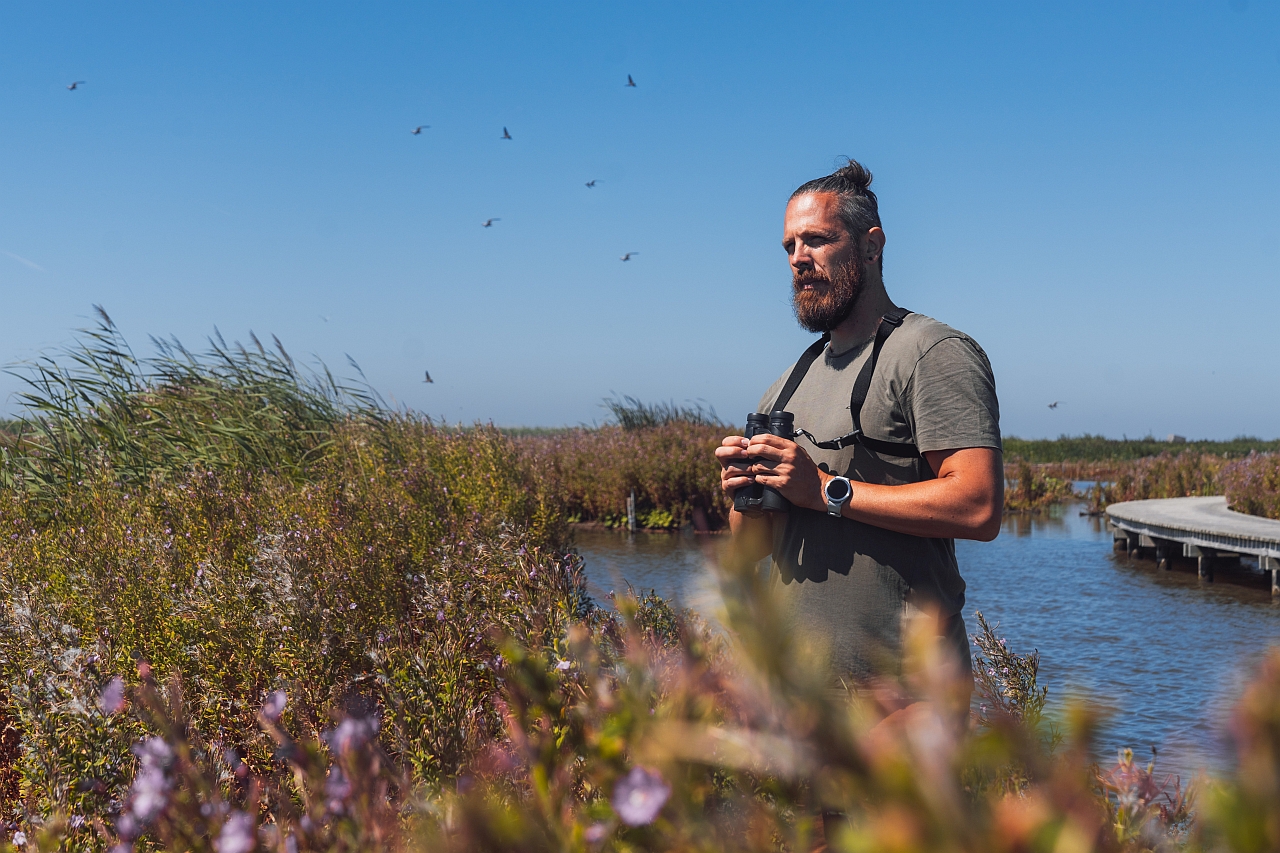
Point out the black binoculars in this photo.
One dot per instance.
(758, 498)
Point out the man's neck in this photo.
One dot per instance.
(860, 326)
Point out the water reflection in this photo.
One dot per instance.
(1162, 651)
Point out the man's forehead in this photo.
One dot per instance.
(813, 210)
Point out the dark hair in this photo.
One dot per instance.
(851, 183)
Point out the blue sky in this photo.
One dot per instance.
(1092, 191)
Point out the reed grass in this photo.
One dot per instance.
(671, 468)
(231, 407)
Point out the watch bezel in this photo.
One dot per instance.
(834, 505)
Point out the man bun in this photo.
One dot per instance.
(854, 175)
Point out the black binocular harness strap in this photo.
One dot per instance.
(890, 321)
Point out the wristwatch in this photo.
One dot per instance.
(838, 491)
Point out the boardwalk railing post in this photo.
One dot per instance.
(1272, 565)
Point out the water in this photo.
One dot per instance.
(1162, 652)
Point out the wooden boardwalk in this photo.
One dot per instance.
(1196, 527)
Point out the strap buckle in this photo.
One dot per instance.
(840, 443)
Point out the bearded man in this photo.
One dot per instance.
(897, 450)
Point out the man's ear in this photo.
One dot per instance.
(873, 244)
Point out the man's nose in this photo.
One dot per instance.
(800, 258)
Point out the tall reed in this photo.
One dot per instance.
(232, 407)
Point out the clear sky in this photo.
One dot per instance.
(1092, 191)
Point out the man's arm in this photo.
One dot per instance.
(966, 501)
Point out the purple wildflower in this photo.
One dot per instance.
(238, 834)
(19, 838)
(150, 791)
(351, 734)
(274, 706)
(639, 796)
(562, 665)
(439, 615)
(595, 833)
(337, 788)
(111, 699)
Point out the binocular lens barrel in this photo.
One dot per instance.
(757, 497)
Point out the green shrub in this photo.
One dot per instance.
(671, 468)
(184, 518)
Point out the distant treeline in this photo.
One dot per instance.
(1097, 448)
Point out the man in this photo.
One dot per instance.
(855, 559)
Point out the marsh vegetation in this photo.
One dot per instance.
(248, 607)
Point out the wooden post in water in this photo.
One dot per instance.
(631, 512)
(1204, 564)
(1273, 565)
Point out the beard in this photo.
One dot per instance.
(832, 299)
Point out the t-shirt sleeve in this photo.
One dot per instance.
(951, 398)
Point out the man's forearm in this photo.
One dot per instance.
(752, 539)
(932, 509)
(966, 501)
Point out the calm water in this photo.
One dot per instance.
(1162, 652)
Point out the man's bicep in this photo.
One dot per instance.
(982, 465)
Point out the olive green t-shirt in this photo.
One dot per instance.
(854, 583)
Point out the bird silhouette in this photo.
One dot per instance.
(506, 134)
(630, 82)
(323, 317)
(591, 183)
(628, 256)
(1055, 403)
(419, 129)
(73, 86)
(429, 379)
(488, 223)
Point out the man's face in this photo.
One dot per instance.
(826, 272)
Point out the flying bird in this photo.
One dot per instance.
(1055, 403)
(628, 256)
(73, 86)
(488, 223)
(506, 134)
(429, 379)
(591, 183)
(630, 82)
(419, 129)
(323, 317)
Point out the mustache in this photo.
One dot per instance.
(807, 278)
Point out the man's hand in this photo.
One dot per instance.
(734, 464)
(785, 466)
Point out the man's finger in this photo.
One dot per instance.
(770, 440)
(729, 455)
(769, 452)
(734, 441)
